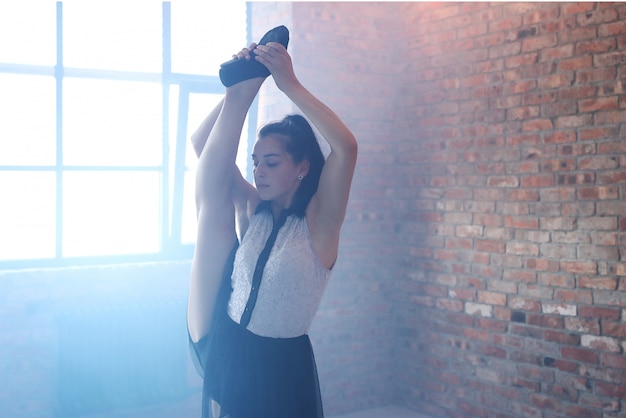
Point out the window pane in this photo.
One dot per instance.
(205, 34)
(111, 213)
(27, 215)
(111, 122)
(113, 35)
(28, 33)
(28, 128)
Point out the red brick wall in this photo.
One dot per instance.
(486, 224)
(510, 206)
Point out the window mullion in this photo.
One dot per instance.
(166, 233)
(58, 75)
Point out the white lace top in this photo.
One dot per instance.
(293, 282)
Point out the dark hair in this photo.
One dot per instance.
(301, 143)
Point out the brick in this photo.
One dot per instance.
(558, 223)
(612, 177)
(576, 8)
(450, 305)
(597, 282)
(573, 121)
(597, 75)
(595, 104)
(524, 304)
(490, 246)
(608, 208)
(537, 181)
(539, 43)
(580, 208)
(557, 251)
(580, 267)
(598, 402)
(598, 193)
(598, 163)
(557, 279)
(561, 52)
(612, 147)
(491, 298)
(556, 80)
(590, 326)
(570, 237)
(560, 137)
(558, 194)
(614, 329)
(522, 248)
(581, 296)
(597, 343)
(611, 29)
(596, 133)
(611, 390)
(503, 181)
(610, 117)
(613, 360)
(577, 62)
(517, 87)
(545, 403)
(545, 321)
(598, 252)
(537, 125)
(558, 309)
(478, 309)
(579, 178)
(609, 59)
(580, 354)
(522, 195)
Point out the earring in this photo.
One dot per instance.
(300, 177)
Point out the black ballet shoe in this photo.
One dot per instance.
(237, 70)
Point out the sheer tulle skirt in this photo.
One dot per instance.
(253, 376)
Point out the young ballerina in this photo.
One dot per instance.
(264, 254)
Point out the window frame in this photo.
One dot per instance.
(171, 247)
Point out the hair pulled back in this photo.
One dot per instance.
(301, 143)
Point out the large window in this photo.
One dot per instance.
(97, 103)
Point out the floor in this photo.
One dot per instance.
(191, 410)
(383, 412)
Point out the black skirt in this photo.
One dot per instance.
(251, 376)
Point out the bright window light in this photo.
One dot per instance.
(27, 130)
(109, 122)
(28, 32)
(27, 215)
(94, 161)
(110, 213)
(113, 35)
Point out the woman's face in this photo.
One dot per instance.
(275, 174)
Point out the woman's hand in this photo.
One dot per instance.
(276, 58)
(245, 52)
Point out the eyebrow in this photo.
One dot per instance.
(271, 154)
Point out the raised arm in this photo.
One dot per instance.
(326, 211)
